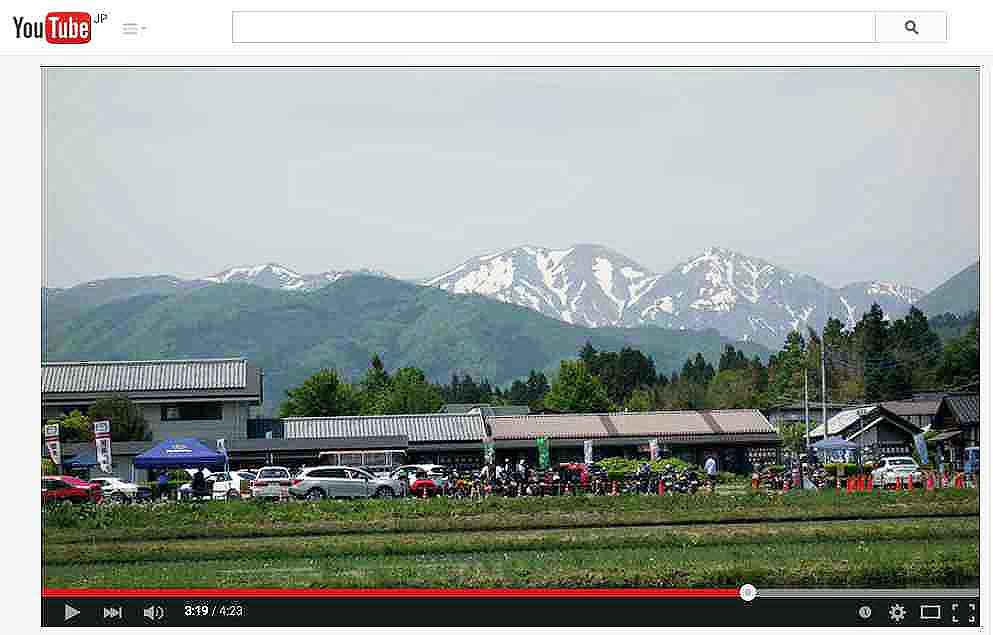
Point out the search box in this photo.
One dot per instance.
(521, 27)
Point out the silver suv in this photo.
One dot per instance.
(315, 483)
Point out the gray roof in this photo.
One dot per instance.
(61, 381)
(913, 407)
(417, 428)
(487, 409)
(846, 418)
(670, 424)
(965, 408)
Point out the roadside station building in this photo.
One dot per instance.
(203, 398)
(739, 439)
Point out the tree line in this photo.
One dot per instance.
(876, 360)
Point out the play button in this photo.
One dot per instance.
(71, 612)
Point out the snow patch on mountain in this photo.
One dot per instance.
(276, 276)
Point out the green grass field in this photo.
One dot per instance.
(888, 540)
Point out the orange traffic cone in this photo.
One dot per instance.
(661, 487)
(899, 483)
(910, 483)
(930, 481)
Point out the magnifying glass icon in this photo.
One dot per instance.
(911, 26)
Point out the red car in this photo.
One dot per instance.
(69, 488)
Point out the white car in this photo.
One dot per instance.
(271, 482)
(223, 485)
(315, 483)
(115, 489)
(896, 467)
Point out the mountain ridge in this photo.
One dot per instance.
(743, 297)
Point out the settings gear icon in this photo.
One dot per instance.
(898, 612)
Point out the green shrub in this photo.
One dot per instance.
(620, 468)
(48, 468)
(850, 469)
(179, 476)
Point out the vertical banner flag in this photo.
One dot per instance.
(588, 451)
(52, 443)
(653, 449)
(921, 447)
(222, 449)
(101, 435)
(489, 453)
(543, 459)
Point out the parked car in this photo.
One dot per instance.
(69, 488)
(270, 482)
(223, 485)
(116, 489)
(315, 483)
(891, 468)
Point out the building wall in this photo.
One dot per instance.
(232, 425)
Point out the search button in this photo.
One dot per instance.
(913, 27)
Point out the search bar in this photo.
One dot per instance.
(521, 27)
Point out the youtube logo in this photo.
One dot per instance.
(68, 27)
(58, 27)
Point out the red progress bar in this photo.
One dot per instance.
(365, 593)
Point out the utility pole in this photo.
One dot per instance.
(806, 409)
(823, 387)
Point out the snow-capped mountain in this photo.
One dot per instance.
(586, 284)
(275, 276)
(742, 297)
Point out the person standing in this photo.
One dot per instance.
(710, 467)
(199, 484)
(163, 483)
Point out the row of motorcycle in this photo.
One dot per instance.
(570, 479)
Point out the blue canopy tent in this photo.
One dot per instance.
(178, 453)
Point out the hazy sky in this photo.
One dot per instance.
(846, 175)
